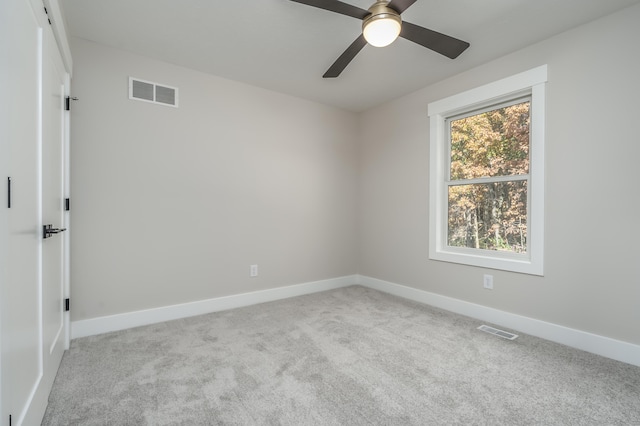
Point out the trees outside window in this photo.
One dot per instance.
(488, 179)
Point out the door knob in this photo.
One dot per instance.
(49, 230)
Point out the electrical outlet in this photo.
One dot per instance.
(253, 271)
(488, 281)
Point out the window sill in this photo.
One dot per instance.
(493, 260)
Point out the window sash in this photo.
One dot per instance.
(513, 255)
(510, 101)
(484, 180)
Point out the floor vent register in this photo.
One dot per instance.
(499, 333)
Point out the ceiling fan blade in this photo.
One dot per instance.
(400, 5)
(347, 56)
(438, 42)
(337, 7)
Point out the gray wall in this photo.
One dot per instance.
(173, 205)
(592, 269)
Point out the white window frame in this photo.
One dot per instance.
(530, 83)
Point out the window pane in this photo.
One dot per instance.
(493, 143)
(488, 216)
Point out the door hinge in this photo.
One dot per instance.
(66, 304)
(66, 204)
(47, 13)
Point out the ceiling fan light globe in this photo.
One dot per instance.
(381, 32)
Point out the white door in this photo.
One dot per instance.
(21, 364)
(53, 138)
(31, 303)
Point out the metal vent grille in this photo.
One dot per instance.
(142, 90)
(149, 91)
(166, 95)
(497, 332)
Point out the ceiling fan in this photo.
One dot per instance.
(381, 25)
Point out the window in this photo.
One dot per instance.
(487, 175)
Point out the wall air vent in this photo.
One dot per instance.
(499, 333)
(148, 91)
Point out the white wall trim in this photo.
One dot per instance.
(93, 326)
(493, 90)
(528, 84)
(596, 344)
(589, 342)
(59, 28)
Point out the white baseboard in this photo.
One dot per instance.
(93, 326)
(600, 345)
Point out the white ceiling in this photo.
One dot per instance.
(286, 46)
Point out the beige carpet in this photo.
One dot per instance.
(352, 356)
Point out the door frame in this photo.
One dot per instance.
(66, 171)
(57, 21)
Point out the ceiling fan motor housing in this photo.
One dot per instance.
(379, 10)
